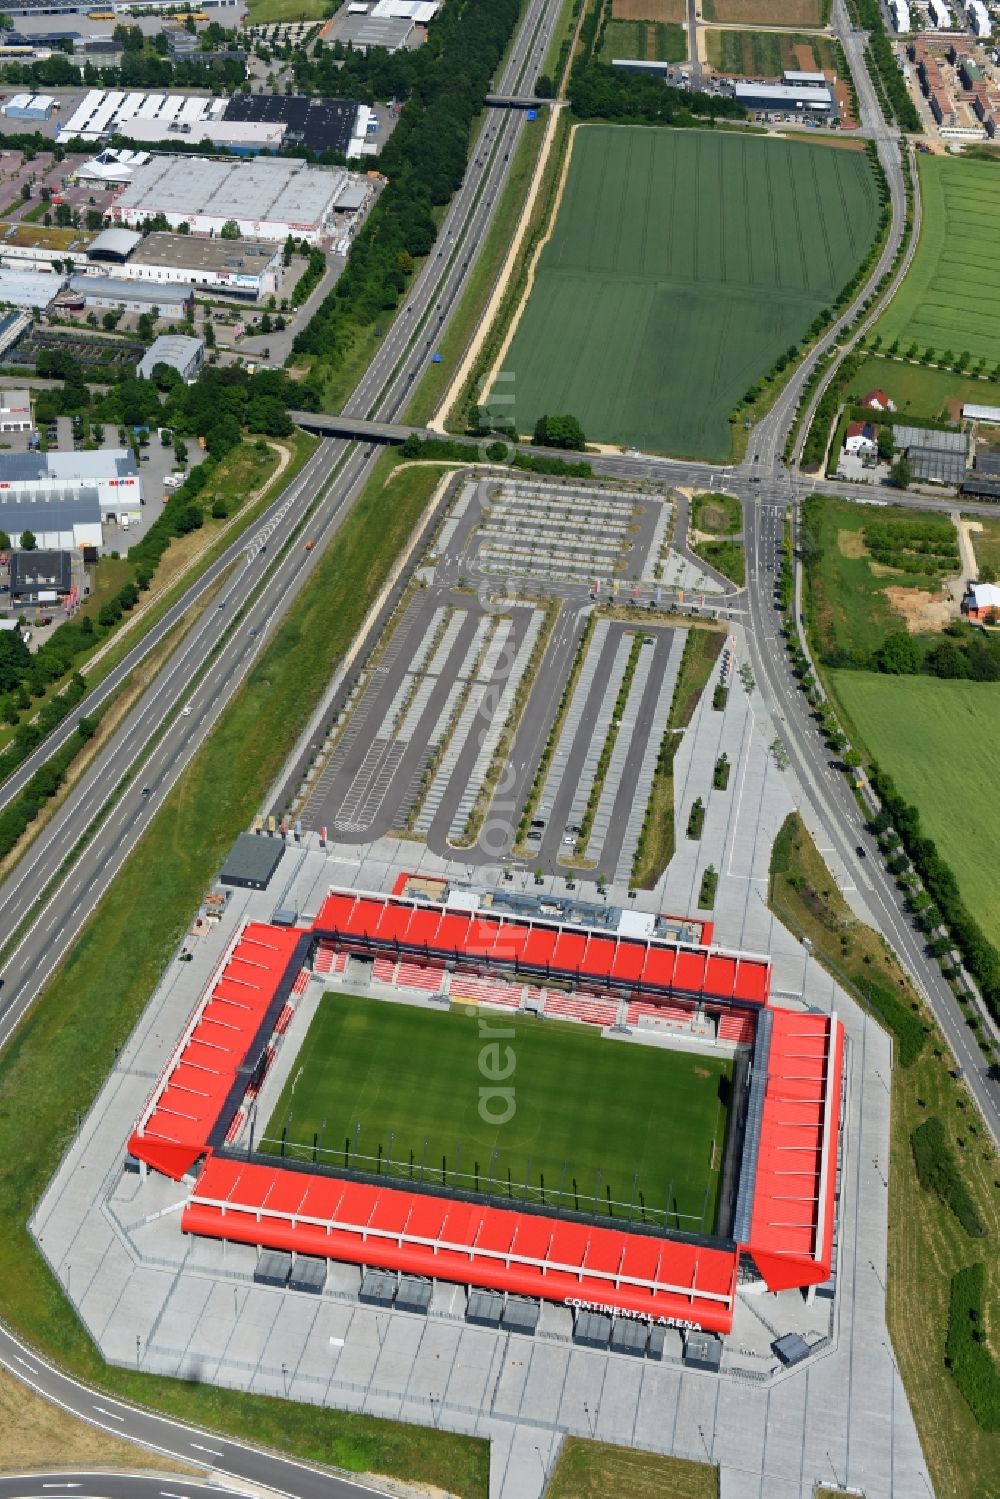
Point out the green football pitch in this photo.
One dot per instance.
(590, 1120)
(682, 264)
(950, 299)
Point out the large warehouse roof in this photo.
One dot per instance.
(276, 191)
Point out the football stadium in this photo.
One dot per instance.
(620, 1122)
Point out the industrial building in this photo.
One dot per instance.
(15, 411)
(248, 270)
(389, 24)
(266, 199)
(33, 247)
(40, 577)
(111, 168)
(29, 107)
(29, 288)
(181, 352)
(43, 492)
(245, 124)
(780, 98)
(109, 293)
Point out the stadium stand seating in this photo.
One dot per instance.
(486, 992)
(570, 1007)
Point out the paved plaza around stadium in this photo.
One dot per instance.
(186, 1306)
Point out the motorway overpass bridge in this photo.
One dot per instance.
(358, 427)
(516, 101)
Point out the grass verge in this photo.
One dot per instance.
(727, 557)
(478, 286)
(927, 1245)
(656, 843)
(592, 1470)
(58, 1058)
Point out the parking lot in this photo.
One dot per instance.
(443, 735)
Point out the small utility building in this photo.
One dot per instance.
(178, 350)
(252, 861)
(40, 577)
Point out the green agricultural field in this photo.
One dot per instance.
(950, 299)
(585, 1109)
(848, 607)
(766, 54)
(650, 40)
(682, 264)
(948, 769)
(918, 391)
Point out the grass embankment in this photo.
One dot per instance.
(538, 226)
(727, 557)
(946, 769)
(35, 1434)
(59, 1057)
(656, 843)
(927, 1244)
(383, 1082)
(594, 1470)
(479, 283)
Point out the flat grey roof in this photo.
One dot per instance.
(263, 189)
(252, 860)
(176, 349)
(118, 243)
(130, 291)
(43, 514)
(244, 257)
(778, 93)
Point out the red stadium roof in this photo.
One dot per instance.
(582, 953)
(460, 1241)
(791, 1230)
(178, 1119)
(791, 1218)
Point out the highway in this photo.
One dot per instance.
(255, 577)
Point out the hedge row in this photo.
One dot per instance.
(44, 784)
(938, 1172)
(966, 1351)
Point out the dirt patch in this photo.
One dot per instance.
(701, 1072)
(805, 57)
(766, 12)
(851, 544)
(649, 10)
(921, 611)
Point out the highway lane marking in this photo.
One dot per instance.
(215, 1451)
(112, 1414)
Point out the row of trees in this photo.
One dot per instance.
(597, 91)
(947, 909)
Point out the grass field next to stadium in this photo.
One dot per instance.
(950, 298)
(624, 1122)
(946, 770)
(682, 264)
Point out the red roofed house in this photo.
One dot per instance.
(861, 440)
(877, 400)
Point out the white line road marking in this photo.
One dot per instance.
(112, 1414)
(215, 1451)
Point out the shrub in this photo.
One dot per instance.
(937, 1172)
(966, 1352)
